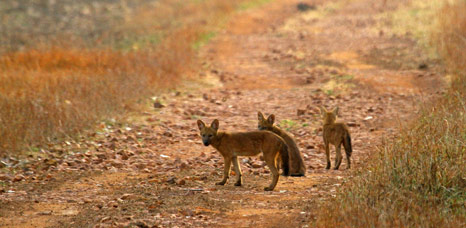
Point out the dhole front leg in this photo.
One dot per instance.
(237, 168)
(338, 158)
(327, 154)
(226, 171)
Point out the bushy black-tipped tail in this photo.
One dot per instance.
(347, 145)
(285, 160)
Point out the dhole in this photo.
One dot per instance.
(234, 144)
(297, 167)
(335, 133)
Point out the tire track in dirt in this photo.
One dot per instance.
(155, 171)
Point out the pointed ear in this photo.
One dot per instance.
(200, 124)
(323, 110)
(271, 119)
(335, 111)
(260, 116)
(214, 125)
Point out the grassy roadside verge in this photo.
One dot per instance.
(417, 180)
(65, 65)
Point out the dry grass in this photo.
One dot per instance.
(57, 83)
(417, 180)
(451, 38)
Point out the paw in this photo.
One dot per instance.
(220, 183)
(238, 183)
(336, 168)
(328, 166)
(268, 189)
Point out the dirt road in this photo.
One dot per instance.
(275, 59)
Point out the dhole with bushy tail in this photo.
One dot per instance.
(234, 144)
(297, 167)
(335, 133)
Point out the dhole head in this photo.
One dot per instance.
(208, 133)
(265, 124)
(329, 117)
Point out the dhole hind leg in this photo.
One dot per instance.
(278, 162)
(271, 163)
(238, 172)
(348, 158)
(348, 149)
(327, 154)
(226, 171)
(338, 158)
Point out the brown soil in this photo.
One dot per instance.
(275, 59)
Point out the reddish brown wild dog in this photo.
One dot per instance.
(233, 144)
(335, 133)
(297, 167)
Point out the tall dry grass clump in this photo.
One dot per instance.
(417, 180)
(451, 36)
(55, 84)
(51, 93)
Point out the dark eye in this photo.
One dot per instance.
(203, 135)
(210, 136)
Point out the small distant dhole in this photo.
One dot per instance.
(335, 133)
(297, 167)
(234, 144)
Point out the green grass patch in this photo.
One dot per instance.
(345, 77)
(288, 124)
(252, 4)
(204, 39)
